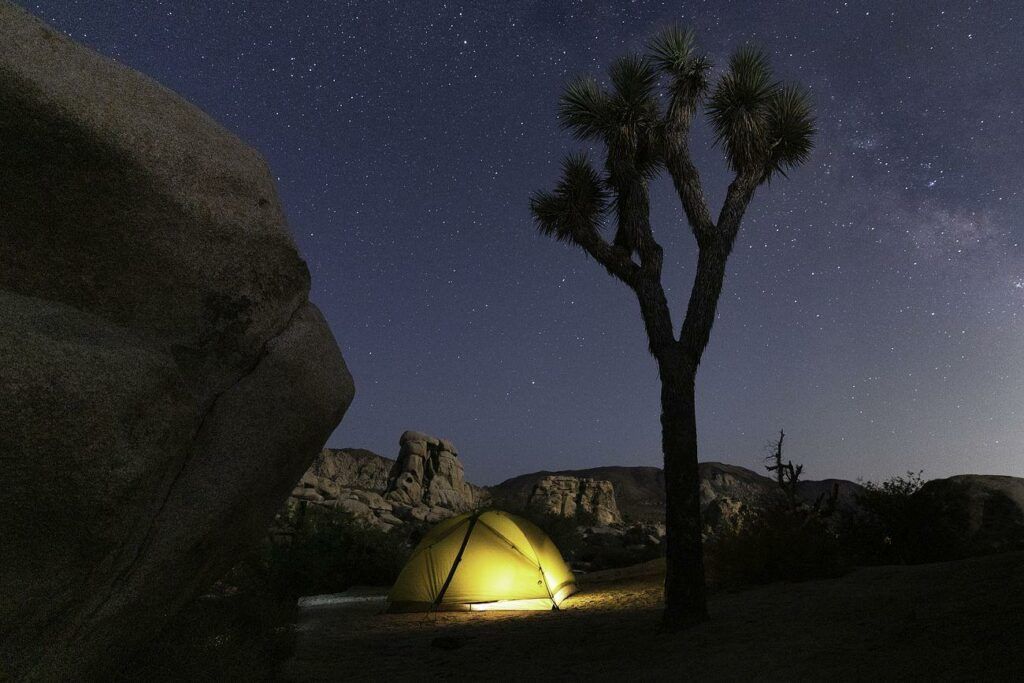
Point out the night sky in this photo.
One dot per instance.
(874, 306)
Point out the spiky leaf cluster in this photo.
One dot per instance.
(765, 127)
(574, 210)
(674, 52)
(625, 118)
(791, 129)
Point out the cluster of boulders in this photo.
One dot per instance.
(568, 496)
(428, 480)
(425, 484)
(729, 495)
(353, 480)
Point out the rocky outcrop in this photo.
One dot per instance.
(428, 475)
(639, 491)
(972, 514)
(351, 479)
(351, 468)
(728, 493)
(162, 373)
(425, 484)
(567, 496)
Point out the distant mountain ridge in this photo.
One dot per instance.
(385, 492)
(426, 484)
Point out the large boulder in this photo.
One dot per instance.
(164, 380)
(970, 514)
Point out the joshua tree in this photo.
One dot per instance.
(764, 128)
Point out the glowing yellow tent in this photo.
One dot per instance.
(480, 561)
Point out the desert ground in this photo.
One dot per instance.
(949, 621)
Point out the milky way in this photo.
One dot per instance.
(874, 306)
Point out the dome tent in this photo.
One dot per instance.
(483, 560)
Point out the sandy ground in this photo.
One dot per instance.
(950, 621)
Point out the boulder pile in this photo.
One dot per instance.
(426, 483)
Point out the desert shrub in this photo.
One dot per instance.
(777, 543)
(330, 551)
(563, 531)
(888, 525)
(902, 521)
(584, 549)
(598, 552)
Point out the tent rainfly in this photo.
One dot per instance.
(483, 560)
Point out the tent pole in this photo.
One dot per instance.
(458, 558)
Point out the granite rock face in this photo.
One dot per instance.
(425, 484)
(973, 514)
(428, 475)
(156, 321)
(567, 496)
(729, 495)
(353, 480)
(637, 494)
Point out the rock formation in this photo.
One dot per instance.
(425, 484)
(162, 373)
(352, 468)
(353, 480)
(728, 494)
(973, 514)
(427, 481)
(568, 496)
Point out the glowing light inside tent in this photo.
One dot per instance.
(512, 605)
(483, 561)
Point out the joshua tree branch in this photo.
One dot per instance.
(616, 260)
(686, 179)
(644, 280)
(700, 311)
(680, 166)
(633, 210)
(737, 198)
(656, 314)
(711, 260)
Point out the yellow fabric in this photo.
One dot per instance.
(506, 559)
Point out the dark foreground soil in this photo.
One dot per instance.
(950, 621)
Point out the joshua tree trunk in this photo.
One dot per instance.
(685, 602)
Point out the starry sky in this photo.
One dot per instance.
(873, 307)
